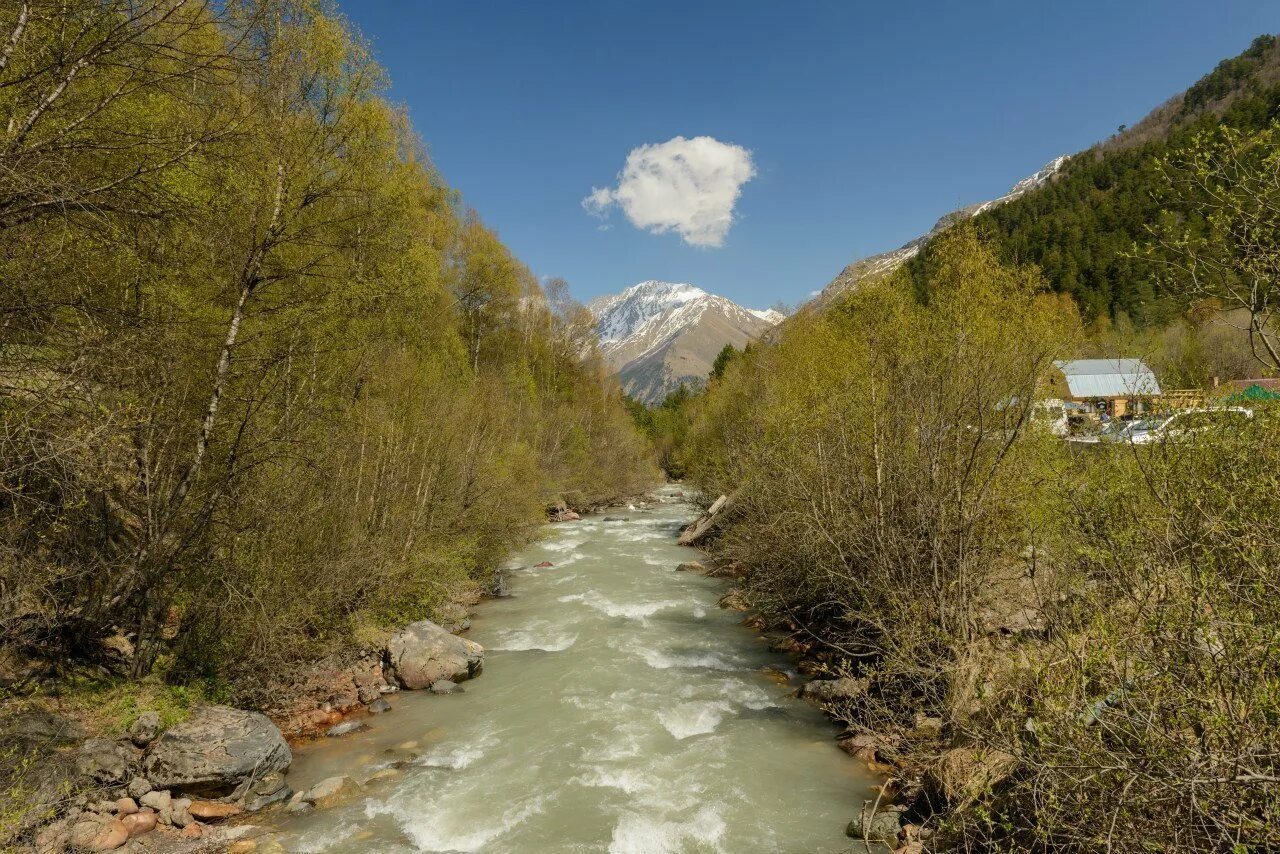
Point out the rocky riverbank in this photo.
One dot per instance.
(195, 785)
(920, 768)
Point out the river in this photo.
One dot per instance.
(619, 711)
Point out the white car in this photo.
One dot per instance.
(1178, 425)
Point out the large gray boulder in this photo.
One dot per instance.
(217, 751)
(422, 654)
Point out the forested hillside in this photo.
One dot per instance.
(1083, 228)
(264, 380)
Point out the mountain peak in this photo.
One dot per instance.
(658, 335)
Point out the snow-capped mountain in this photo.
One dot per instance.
(886, 262)
(657, 335)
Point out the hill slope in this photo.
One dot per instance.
(1080, 217)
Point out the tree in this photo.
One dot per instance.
(1221, 239)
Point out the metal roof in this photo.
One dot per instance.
(1108, 378)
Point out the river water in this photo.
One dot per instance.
(619, 711)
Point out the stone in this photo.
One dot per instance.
(36, 728)
(103, 807)
(139, 823)
(242, 846)
(157, 800)
(874, 825)
(138, 787)
(962, 774)
(145, 728)
(179, 812)
(126, 806)
(927, 728)
(735, 600)
(110, 837)
(823, 692)
(216, 750)
(445, 686)
(422, 654)
(379, 706)
(546, 564)
(106, 761)
(346, 728)
(192, 831)
(326, 790)
(500, 588)
(453, 617)
(565, 515)
(616, 519)
(271, 789)
(692, 566)
(383, 774)
(212, 810)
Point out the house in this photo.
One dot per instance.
(1113, 386)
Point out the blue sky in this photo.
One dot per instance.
(864, 121)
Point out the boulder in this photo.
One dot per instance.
(126, 806)
(157, 800)
(962, 774)
(422, 654)
(139, 823)
(269, 790)
(111, 836)
(445, 686)
(615, 518)
(217, 750)
(453, 617)
(346, 728)
(107, 761)
(145, 729)
(326, 790)
(735, 600)
(565, 515)
(138, 787)
(823, 692)
(544, 565)
(379, 706)
(37, 728)
(692, 566)
(873, 825)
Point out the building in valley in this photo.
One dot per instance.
(1113, 386)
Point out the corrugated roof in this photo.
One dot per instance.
(1109, 378)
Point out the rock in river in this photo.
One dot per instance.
(216, 750)
(422, 654)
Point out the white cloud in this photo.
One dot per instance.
(688, 186)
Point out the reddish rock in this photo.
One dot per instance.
(111, 837)
(192, 831)
(543, 565)
(139, 823)
(212, 810)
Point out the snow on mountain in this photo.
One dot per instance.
(886, 262)
(657, 335)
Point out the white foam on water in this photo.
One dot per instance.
(565, 545)
(690, 719)
(659, 660)
(633, 781)
(458, 756)
(521, 640)
(737, 691)
(654, 560)
(633, 610)
(700, 612)
(637, 833)
(571, 597)
(449, 830)
(565, 578)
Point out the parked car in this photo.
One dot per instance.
(1177, 425)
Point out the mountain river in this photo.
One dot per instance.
(619, 710)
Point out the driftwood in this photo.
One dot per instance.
(705, 524)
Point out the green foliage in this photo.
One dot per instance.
(264, 381)
(1103, 622)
